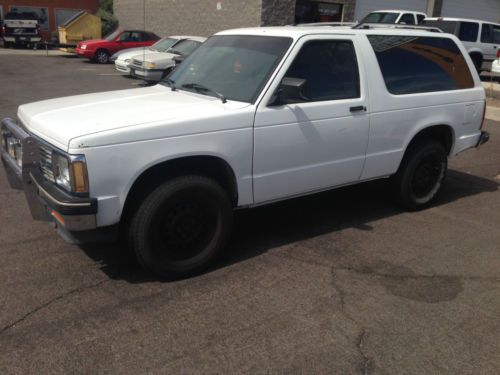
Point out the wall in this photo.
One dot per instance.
(282, 12)
(187, 17)
(91, 6)
(487, 10)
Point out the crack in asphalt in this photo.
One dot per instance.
(368, 362)
(50, 302)
(371, 272)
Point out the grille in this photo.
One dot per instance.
(46, 163)
(137, 62)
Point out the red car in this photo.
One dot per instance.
(100, 50)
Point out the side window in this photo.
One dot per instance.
(408, 19)
(135, 36)
(330, 69)
(420, 18)
(468, 31)
(124, 37)
(490, 33)
(412, 64)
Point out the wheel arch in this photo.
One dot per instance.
(443, 133)
(211, 166)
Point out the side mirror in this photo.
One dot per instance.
(291, 90)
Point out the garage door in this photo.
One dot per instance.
(487, 10)
(363, 7)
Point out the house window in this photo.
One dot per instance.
(317, 11)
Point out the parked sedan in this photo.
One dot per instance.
(153, 67)
(100, 50)
(123, 58)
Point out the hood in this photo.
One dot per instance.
(156, 57)
(59, 121)
(132, 52)
(93, 41)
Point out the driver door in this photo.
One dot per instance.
(320, 141)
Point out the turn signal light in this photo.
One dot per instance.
(80, 179)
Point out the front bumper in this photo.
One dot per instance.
(45, 200)
(84, 53)
(122, 67)
(150, 75)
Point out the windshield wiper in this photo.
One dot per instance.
(200, 88)
(171, 83)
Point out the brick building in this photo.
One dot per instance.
(52, 13)
(205, 17)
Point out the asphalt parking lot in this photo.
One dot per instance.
(342, 282)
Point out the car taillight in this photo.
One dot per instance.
(484, 115)
(498, 52)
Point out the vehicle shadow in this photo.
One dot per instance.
(260, 229)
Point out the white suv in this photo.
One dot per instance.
(480, 38)
(253, 116)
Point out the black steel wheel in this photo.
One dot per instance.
(181, 226)
(420, 174)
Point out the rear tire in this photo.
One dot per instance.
(478, 62)
(101, 56)
(181, 226)
(420, 174)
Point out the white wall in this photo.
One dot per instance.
(363, 7)
(487, 10)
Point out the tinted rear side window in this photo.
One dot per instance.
(468, 31)
(412, 64)
(446, 26)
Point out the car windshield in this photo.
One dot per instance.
(163, 44)
(380, 17)
(234, 66)
(21, 16)
(113, 35)
(185, 47)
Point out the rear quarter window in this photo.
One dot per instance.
(411, 65)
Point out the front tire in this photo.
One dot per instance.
(101, 57)
(182, 226)
(420, 175)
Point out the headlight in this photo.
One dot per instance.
(84, 46)
(70, 173)
(61, 171)
(150, 65)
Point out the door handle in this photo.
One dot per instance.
(358, 108)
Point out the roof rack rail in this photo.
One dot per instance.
(327, 24)
(364, 25)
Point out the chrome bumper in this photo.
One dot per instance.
(45, 201)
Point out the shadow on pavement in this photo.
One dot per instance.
(260, 229)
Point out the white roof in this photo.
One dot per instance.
(458, 19)
(397, 11)
(296, 32)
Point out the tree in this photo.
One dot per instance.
(109, 21)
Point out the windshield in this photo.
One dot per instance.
(21, 16)
(113, 35)
(235, 66)
(163, 44)
(185, 47)
(380, 17)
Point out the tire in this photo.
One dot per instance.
(478, 62)
(101, 56)
(181, 226)
(420, 175)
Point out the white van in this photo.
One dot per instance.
(480, 38)
(253, 116)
